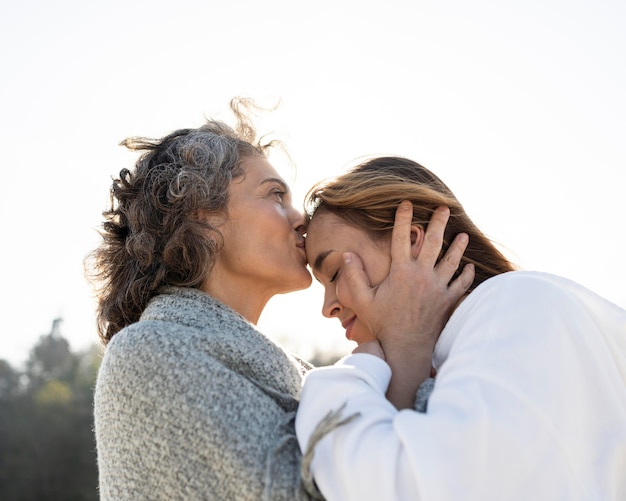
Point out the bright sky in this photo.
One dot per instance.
(519, 106)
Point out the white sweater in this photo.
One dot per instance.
(529, 404)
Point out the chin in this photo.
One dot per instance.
(303, 282)
(360, 336)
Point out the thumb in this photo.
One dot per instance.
(353, 286)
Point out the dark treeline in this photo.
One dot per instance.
(47, 448)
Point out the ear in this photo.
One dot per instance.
(417, 239)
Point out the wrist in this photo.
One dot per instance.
(416, 359)
(408, 346)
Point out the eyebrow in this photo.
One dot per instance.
(278, 181)
(319, 260)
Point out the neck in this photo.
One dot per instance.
(246, 302)
(458, 303)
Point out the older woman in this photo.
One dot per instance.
(192, 401)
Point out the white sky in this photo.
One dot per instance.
(519, 106)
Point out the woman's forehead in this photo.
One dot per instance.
(325, 221)
(258, 170)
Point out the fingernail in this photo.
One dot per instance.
(347, 257)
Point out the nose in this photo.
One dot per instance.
(296, 218)
(331, 307)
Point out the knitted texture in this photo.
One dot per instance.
(193, 402)
(423, 394)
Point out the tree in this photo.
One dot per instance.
(50, 359)
(9, 381)
(47, 448)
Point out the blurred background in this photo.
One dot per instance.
(518, 106)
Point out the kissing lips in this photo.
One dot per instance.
(302, 250)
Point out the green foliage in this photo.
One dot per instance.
(47, 448)
(53, 393)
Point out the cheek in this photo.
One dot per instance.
(378, 269)
(361, 334)
(280, 222)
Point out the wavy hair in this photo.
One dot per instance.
(367, 196)
(155, 232)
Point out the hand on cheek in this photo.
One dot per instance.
(353, 285)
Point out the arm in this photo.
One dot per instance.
(361, 459)
(514, 390)
(409, 309)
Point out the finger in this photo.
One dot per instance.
(401, 233)
(450, 262)
(433, 238)
(463, 282)
(372, 348)
(353, 286)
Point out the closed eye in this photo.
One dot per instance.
(334, 277)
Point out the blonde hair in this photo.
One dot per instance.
(367, 196)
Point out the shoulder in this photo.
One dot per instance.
(145, 337)
(519, 288)
(154, 368)
(503, 305)
(158, 353)
(137, 357)
(524, 279)
(527, 307)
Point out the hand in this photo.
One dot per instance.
(409, 309)
(415, 295)
(371, 347)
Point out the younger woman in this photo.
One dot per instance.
(530, 393)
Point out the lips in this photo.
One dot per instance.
(301, 247)
(348, 324)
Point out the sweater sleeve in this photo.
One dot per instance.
(362, 444)
(183, 426)
(525, 407)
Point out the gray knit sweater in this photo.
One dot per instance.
(192, 402)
